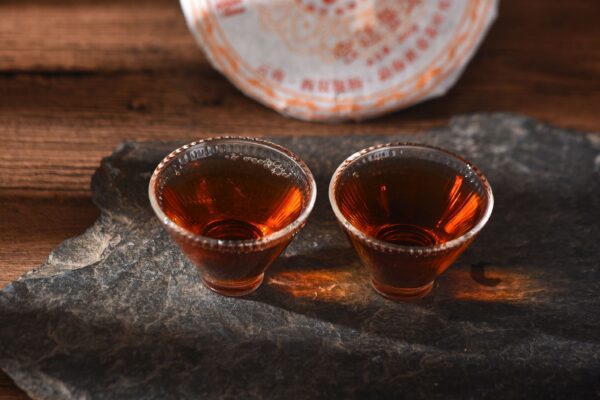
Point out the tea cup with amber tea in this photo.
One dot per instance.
(409, 211)
(232, 205)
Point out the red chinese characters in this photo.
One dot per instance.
(331, 85)
(228, 8)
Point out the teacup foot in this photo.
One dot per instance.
(233, 289)
(401, 294)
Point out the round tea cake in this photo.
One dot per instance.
(333, 60)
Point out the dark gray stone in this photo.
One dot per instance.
(119, 313)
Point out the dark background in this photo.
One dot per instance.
(79, 76)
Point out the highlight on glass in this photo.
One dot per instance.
(232, 204)
(409, 211)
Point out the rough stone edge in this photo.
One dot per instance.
(29, 382)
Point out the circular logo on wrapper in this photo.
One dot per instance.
(332, 60)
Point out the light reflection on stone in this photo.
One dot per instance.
(509, 285)
(322, 284)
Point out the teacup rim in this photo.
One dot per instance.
(392, 247)
(248, 244)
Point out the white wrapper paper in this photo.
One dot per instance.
(333, 60)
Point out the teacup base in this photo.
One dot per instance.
(233, 289)
(401, 294)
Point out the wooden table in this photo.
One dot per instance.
(79, 76)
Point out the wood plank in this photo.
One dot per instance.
(33, 225)
(8, 390)
(82, 36)
(518, 68)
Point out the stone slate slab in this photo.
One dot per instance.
(118, 313)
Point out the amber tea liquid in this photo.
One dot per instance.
(409, 202)
(231, 199)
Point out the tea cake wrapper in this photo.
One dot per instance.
(334, 60)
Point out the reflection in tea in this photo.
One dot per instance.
(231, 198)
(410, 202)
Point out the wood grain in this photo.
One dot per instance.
(9, 391)
(79, 76)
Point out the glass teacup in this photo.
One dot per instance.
(232, 204)
(409, 211)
